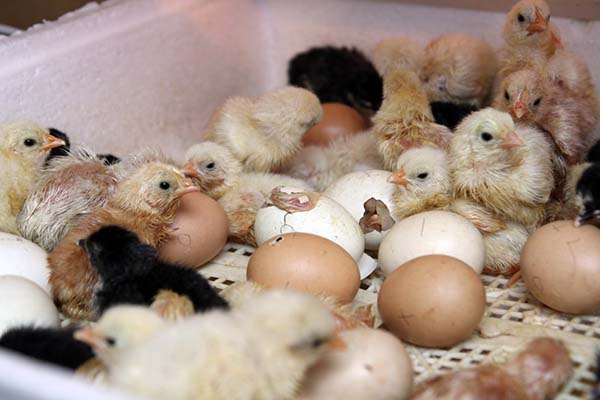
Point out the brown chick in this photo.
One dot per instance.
(537, 373)
(264, 132)
(566, 204)
(459, 69)
(68, 189)
(24, 148)
(401, 52)
(404, 120)
(145, 203)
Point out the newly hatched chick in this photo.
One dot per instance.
(145, 203)
(588, 195)
(459, 69)
(241, 194)
(400, 52)
(69, 188)
(258, 351)
(24, 148)
(130, 272)
(537, 373)
(404, 120)
(265, 132)
(338, 75)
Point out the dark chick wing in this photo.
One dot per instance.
(450, 114)
(123, 291)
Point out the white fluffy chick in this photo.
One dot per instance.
(259, 351)
(265, 132)
(400, 52)
(242, 194)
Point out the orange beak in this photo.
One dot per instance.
(187, 186)
(511, 140)
(52, 142)
(399, 178)
(519, 109)
(539, 24)
(88, 336)
(337, 343)
(190, 170)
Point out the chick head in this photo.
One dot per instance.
(213, 167)
(527, 23)
(521, 94)
(120, 328)
(421, 173)
(28, 140)
(153, 188)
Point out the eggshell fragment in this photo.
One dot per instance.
(23, 303)
(560, 265)
(432, 301)
(200, 231)
(21, 257)
(432, 232)
(351, 191)
(374, 366)
(338, 120)
(305, 262)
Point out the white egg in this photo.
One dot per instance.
(353, 190)
(374, 366)
(23, 303)
(432, 232)
(21, 257)
(328, 219)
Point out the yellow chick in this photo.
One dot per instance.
(24, 148)
(264, 132)
(241, 194)
(459, 69)
(258, 351)
(401, 52)
(404, 120)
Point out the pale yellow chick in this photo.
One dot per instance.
(400, 52)
(24, 148)
(266, 131)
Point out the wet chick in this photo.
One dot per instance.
(241, 194)
(24, 149)
(69, 188)
(588, 195)
(404, 120)
(458, 69)
(338, 75)
(257, 351)
(145, 203)
(264, 132)
(400, 52)
(130, 272)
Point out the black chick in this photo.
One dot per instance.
(62, 150)
(588, 193)
(109, 159)
(340, 75)
(50, 345)
(450, 114)
(594, 153)
(130, 272)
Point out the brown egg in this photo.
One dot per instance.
(305, 262)
(201, 228)
(432, 301)
(560, 265)
(338, 120)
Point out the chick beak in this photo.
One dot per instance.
(52, 142)
(190, 170)
(88, 336)
(337, 343)
(511, 140)
(519, 109)
(187, 186)
(399, 178)
(539, 24)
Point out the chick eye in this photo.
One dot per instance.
(537, 102)
(164, 185)
(423, 175)
(210, 166)
(486, 137)
(110, 341)
(506, 95)
(521, 18)
(548, 18)
(29, 142)
(317, 342)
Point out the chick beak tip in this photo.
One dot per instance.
(337, 344)
(88, 336)
(399, 178)
(52, 142)
(512, 140)
(539, 24)
(186, 187)
(189, 170)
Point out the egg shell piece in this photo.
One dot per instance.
(432, 301)
(560, 265)
(351, 191)
(374, 365)
(432, 232)
(338, 120)
(327, 219)
(22, 302)
(305, 262)
(21, 257)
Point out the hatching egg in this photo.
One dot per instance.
(432, 301)
(432, 232)
(21, 257)
(23, 303)
(338, 120)
(373, 365)
(351, 191)
(200, 231)
(305, 262)
(560, 265)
